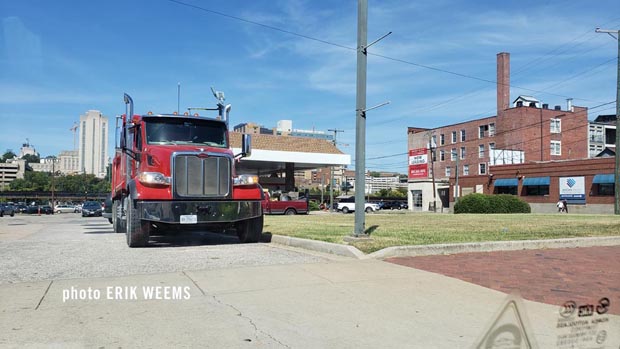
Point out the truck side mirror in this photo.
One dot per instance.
(246, 145)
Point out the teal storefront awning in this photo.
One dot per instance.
(506, 182)
(532, 181)
(603, 179)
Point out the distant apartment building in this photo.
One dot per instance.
(69, 162)
(283, 128)
(11, 171)
(48, 164)
(93, 143)
(602, 135)
(462, 158)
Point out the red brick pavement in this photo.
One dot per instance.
(582, 275)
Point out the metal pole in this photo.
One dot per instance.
(456, 188)
(431, 149)
(331, 173)
(360, 119)
(178, 97)
(617, 150)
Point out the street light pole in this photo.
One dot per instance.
(617, 150)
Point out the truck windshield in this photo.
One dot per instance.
(173, 131)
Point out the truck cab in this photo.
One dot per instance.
(173, 172)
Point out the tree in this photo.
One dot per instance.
(9, 154)
(30, 158)
(375, 174)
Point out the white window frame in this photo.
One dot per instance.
(481, 151)
(448, 171)
(556, 148)
(463, 135)
(465, 170)
(453, 154)
(442, 155)
(555, 126)
(463, 153)
(453, 137)
(481, 130)
(480, 166)
(442, 139)
(492, 129)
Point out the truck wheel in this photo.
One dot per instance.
(290, 212)
(250, 230)
(345, 210)
(116, 220)
(368, 210)
(136, 230)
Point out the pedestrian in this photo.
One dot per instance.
(565, 204)
(560, 206)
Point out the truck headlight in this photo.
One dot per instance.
(245, 179)
(153, 178)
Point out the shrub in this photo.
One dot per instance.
(472, 203)
(501, 203)
(313, 205)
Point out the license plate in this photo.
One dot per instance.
(189, 219)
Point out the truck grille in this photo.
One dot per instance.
(196, 176)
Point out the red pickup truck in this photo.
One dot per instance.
(283, 206)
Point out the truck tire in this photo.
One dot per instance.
(290, 212)
(368, 210)
(250, 230)
(345, 210)
(116, 220)
(136, 230)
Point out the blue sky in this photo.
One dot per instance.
(60, 58)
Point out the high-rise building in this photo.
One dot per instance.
(93, 143)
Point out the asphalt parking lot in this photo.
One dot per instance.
(66, 246)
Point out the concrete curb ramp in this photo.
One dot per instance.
(439, 249)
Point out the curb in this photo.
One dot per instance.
(319, 246)
(444, 249)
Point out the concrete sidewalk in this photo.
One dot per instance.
(343, 304)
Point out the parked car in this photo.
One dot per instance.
(92, 209)
(64, 209)
(8, 210)
(348, 205)
(43, 209)
(394, 205)
(21, 208)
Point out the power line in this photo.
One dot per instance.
(403, 61)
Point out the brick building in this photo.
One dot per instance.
(521, 133)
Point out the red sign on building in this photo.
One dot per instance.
(418, 163)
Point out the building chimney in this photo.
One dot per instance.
(569, 104)
(503, 81)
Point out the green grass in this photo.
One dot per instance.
(428, 228)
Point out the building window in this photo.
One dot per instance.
(491, 129)
(442, 155)
(536, 190)
(556, 148)
(604, 189)
(481, 130)
(462, 135)
(556, 126)
(465, 170)
(491, 149)
(481, 151)
(453, 136)
(433, 141)
(453, 154)
(462, 152)
(482, 169)
(448, 171)
(442, 139)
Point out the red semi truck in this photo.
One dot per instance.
(177, 172)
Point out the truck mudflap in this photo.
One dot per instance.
(198, 212)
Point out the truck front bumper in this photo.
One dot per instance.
(198, 212)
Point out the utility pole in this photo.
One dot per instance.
(360, 112)
(178, 97)
(617, 150)
(331, 173)
(431, 149)
(456, 186)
